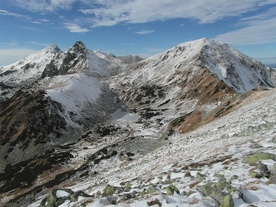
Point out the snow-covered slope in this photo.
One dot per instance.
(188, 82)
(72, 78)
(203, 168)
(75, 80)
(26, 71)
(51, 61)
(237, 70)
(29, 69)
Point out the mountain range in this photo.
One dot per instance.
(77, 127)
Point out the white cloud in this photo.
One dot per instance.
(7, 13)
(257, 31)
(9, 56)
(24, 17)
(44, 5)
(253, 29)
(75, 28)
(111, 12)
(144, 32)
(62, 4)
(266, 2)
(40, 21)
(139, 11)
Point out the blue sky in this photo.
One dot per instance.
(136, 26)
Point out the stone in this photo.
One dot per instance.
(109, 190)
(154, 202)
(200, 176)
(272, 177)
(58, 196)
(234, 177)
(254, 159)
(150, 189)
(255, 174)
(220, 192)
(263, 169)
(205, 190)
(227, 201)
(171, 189)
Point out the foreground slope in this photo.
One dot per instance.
(228, 162)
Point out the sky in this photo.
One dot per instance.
(136, 27)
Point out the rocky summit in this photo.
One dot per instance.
(191, 126)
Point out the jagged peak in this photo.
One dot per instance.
(79, 46)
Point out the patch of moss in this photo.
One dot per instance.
(200, 176)
(227, 201)
(171, 189)
(109, 190)
(253, 159)
(219, 191)
(255, 174)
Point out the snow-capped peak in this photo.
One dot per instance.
(29, 69)
(77, 48)
(52, 49)
(237, 70)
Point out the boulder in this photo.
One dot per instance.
(254, 159)
(171, 189)
(272, 178)
(58, 196)
(219, 191)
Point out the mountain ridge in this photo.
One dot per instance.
(97, 112)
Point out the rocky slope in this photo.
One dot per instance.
(49, 99)
(228, 162)
(190, 84)
(25, 71)
(84, 115)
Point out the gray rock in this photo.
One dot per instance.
(220, 192)
(56, 199)
(254, 159)
(272, 178)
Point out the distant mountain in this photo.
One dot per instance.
(237, 70)
(48, 100)
(66, 116)
(130, 58)
(26, 71)
(188, 82)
